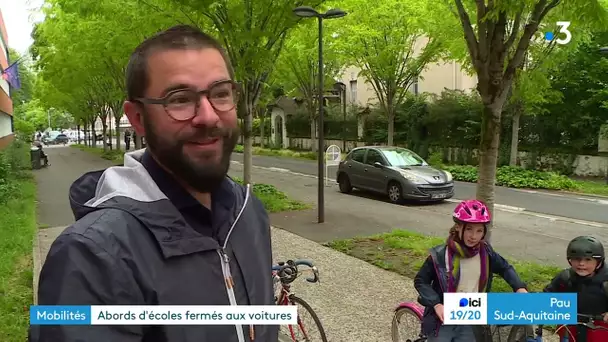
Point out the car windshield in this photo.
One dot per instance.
(401, 157)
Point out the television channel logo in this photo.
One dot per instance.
(465, 308)
(473, 303)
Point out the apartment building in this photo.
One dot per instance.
(6, 105)
(434, 79)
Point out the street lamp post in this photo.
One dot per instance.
(309, 12)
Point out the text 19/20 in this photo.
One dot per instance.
(465, 315)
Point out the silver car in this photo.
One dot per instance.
(397, 172)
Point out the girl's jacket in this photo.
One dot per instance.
(432, 281)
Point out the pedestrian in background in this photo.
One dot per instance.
(127, 140)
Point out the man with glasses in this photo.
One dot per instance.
(169, 227)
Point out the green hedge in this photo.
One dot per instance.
(515, 177)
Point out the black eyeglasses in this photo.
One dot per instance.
(183, 104)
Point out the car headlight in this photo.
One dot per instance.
(413, 178)
(448, 175)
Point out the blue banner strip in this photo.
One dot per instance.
(60, 315)
(531, 308)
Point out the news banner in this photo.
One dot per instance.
(509, 308)
(163, 315)
(459, 309)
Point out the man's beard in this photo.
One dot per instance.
(197, 174)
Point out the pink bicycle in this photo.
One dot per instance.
(412, 312)
(407, 312)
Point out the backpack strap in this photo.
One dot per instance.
(605, 287)
(565, 280)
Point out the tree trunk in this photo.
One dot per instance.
(85, 128)
(515, 137)
(313, 134)
(78, 134)
(104, 131)
(262, 133)
(247, 143)
(93, 133)
(117, 130)
(488, 150)
(391, 127)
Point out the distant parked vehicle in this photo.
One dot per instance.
(54, 138)
(395, 171)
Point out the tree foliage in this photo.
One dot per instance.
(498, 34)
(390, 42)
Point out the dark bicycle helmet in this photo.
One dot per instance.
(586, 247)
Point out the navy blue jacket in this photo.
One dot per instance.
(592, 292)
(431, 282)
(130, 245)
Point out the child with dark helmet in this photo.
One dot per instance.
(465, 263)
(587, 276)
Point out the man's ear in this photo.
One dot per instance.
(135, 115)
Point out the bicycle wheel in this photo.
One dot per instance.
(400, 315)
(520, 333)
(302, 304)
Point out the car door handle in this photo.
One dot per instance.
(366, 170)
(350, 165)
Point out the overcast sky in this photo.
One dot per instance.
(19, 16)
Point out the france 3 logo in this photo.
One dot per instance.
(562, 36)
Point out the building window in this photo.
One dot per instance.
(353, 91)
(415, 86)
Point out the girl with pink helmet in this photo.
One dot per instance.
(465, 263)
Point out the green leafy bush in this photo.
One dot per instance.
(272, 152)
(14, 161)
(516, 177)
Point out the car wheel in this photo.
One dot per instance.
(344, 183)
(395, 194)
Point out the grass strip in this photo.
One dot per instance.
(403, 252)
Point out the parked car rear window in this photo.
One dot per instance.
(357, 155)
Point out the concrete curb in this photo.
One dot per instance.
(36, 267)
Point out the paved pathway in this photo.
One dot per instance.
(354, 299)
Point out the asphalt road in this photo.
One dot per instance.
(573, 206)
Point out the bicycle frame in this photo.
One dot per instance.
(283, 298)
(415, 307)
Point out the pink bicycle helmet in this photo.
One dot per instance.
(471, 211)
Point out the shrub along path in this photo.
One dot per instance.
(18, 226)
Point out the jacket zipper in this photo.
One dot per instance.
(228, 280)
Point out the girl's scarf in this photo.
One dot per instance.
(457, 250)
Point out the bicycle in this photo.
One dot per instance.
(527, 333)
(284, 273)
(416, 311)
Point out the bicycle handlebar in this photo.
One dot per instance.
(583, 318)
(588, 321)
(288, 271)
